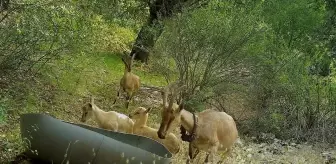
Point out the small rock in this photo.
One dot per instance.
(249, 149)
(262, 145)
(262, 156)
(284, 143)
(328, 157)
(249, 155)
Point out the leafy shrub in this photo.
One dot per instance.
(209, 50)
(225, 51)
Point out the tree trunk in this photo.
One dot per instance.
(150, 32)
(147, 36)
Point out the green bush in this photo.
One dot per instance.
(263, 57)
(209, 50)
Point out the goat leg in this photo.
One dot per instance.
(118, 95)
(190, 160)
(128, 97)
(211, 161)
(207, 158)
(190, 151)
(211, 155)
(193, 152)
(131, 97)
(196, 152)
(225, 155)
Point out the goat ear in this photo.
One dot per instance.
(123, 60)
(181, 107)
(124, 57)
(148, 110)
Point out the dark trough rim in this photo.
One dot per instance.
(104, 133)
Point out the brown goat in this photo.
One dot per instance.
(214, 131)
(140, 116)
(129, 83)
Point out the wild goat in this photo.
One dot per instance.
(211, 130)
(110, 120)
(129, 83)
(140, 116)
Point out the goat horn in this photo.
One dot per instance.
(131, 62)
(133, 56)
(123, 59)
(92, 100)
(181, 105)
(164, 96)
(171, 102)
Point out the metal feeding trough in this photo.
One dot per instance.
(51, 140)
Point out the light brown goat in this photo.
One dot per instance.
(140, 116)
(110, 120)
(215, 131)
(129, 83)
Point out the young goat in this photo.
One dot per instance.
(212, 131)
(107, 120)
(140, 116)
(129, 83)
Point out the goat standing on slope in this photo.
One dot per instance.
(107, 120)
(212, 130)
(129, 83)
(140, 115)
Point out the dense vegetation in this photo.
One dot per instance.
(270, 64)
